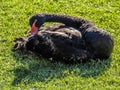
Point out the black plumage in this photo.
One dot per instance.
(98, 41)
(77, 40)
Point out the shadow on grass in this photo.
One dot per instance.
(30, 69)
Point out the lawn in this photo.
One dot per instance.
(22, 71)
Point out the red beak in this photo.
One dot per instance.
(34, 29)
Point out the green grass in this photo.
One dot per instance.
(21, 71)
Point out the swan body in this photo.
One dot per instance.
(98, 41)
(76, 39)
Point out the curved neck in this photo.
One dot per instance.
(68, 20)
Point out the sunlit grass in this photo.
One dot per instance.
(25, 71)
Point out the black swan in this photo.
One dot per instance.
(98, 42)
(77, 40)
(56, 41)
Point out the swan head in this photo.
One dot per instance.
(36, 22)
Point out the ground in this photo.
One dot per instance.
(21, 71)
